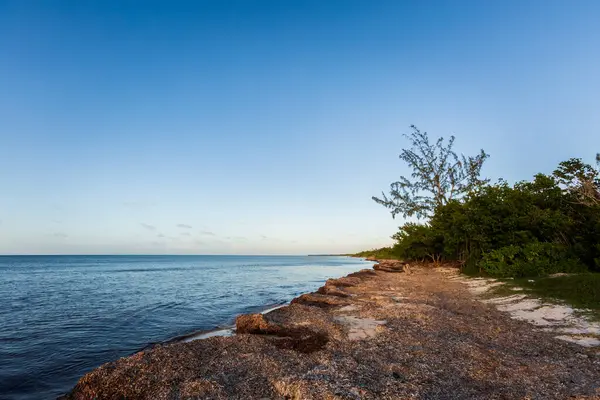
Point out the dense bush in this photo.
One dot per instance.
(547, 225)
(417, 242)
(532, 259)
(385, 253)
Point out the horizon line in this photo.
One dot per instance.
(166, 254)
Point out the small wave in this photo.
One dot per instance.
(208, 334)
(146, 269)
(225, 331)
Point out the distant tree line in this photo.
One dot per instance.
(546, 225)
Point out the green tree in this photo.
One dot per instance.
(438, 176)
(418, 242)
(580, 180)
(546, 225)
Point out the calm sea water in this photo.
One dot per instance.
(61, 316)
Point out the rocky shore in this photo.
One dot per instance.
(393, 332)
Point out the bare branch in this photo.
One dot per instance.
(438, 175)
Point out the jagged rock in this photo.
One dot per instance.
(287, 335)
(331, 290)
(352, 279)
(252, 323)
(343, 282)
(391, 266)
(319, 300)
(362, 274)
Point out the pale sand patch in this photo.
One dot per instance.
(586, 327)
(556, 318)
(480, 285)
(351, 307)
(584, 341)
(544, 316)
(521, 305)
(483, 289)
(359, 328)
(505, 299)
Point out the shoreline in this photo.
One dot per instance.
(224, 331)
(373, 333)
(227, 330)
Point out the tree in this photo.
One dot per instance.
(439, 176)
(580, 179)
(545, 225)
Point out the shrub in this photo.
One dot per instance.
(418, 242)
(384, 253)
(532, 228)
(532, 259)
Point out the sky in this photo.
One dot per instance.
(264, 127)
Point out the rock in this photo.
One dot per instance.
(353, 279)
(252, 323)
(284, 335)
(319, 300)
(362, 274)
(331, 290)
(343, 282)
(391, 266)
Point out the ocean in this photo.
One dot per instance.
(62, 316)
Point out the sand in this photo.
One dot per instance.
(568, 323)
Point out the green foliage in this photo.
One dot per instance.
(532, 259)
(438, 176)
(580, 180)
(501, 215)
(384, 253)
(581, 290)
(532, 228)
(417, 242)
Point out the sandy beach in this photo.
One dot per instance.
(386, 333)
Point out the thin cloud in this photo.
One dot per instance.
(185, 234)
(184, 226)
(160, 235)
(137, 204)
(148, 226)
(236, 238)
(208, 233)
(60, 235)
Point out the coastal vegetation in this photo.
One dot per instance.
(547, 225)
(579, 290)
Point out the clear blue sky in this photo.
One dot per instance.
(266, 126)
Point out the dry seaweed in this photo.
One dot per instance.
(432, 340)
